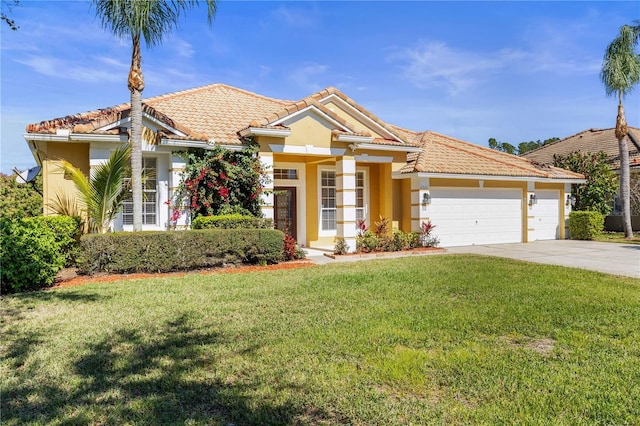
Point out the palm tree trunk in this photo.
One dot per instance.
(136, 86)
(625, 186)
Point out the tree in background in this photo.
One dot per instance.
(20, 200)
(597, 193)
(620, 73)
(151, 20)
(218, 180)
(7, 8)
(523, 147)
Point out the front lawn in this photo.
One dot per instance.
(455, 339)
(618, 237)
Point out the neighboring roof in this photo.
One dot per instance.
(446, 155)
(592, 140)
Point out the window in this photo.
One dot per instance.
(361, 213)
(290, 174)
(149, 195)
(328, 200)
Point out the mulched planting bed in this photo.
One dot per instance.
(69, 277)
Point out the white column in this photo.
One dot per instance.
(267, 195)
(176, 169)
(346, 200)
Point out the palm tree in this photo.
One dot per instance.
(151, 20)
(620, 72)
(101, 195)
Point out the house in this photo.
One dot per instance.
(596, 140)
(331, 162)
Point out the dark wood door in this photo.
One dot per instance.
(285, 210)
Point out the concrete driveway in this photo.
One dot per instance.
(611, 258)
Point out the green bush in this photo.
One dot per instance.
(67, 231)
(31, 253)
(126, 252)
(231, 221)
(585, 225)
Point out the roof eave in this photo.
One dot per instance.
(406, 175)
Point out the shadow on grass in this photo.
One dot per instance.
(169, 377)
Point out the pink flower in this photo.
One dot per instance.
(224, 192)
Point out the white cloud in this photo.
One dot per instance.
(435, 64)
(182, 48)
(296, 18)
(69, 70)
(305, 76)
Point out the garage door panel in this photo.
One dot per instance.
(546, 222)
(476, 216)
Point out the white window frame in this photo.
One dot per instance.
(145, 204)
(365, 195)
(327, 232)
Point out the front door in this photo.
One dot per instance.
(285, 210)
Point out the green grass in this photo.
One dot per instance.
(421, 340)
(618, 237)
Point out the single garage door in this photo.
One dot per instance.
(546, 216)
(465, 216)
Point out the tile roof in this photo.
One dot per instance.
(219, 112)
(592, 140)
(447, 155)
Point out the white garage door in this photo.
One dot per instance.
(546, 216)
(476, 216)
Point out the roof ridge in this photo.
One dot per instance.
(535, 170)
(210, 86)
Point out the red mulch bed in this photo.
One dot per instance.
(69, 277)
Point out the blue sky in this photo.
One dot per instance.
(516, 71)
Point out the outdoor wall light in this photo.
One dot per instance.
(571, 200)
(533, 199)
(426, 198)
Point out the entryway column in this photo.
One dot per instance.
(183, 217)
(266, 159)
(346, 200)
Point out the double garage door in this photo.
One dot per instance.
(465, 216)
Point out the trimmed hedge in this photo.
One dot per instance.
(30, 253)
(161, 251)
(231, 221)
(585, 225)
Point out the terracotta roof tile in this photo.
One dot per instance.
(444, 154)
(592, 140)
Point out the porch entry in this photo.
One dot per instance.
(285, 217)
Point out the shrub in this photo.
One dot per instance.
(126, 252)
(67, 231)
(585, 225)
(30, 253)
(20, 200)
(341, 246)
(367, 242)
(231, 221)
(289, 247)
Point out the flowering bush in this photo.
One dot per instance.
(218, 178)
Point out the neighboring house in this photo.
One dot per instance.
(331, 162)
(596, 140)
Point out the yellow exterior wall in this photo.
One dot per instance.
(357, 125)
(55, 185)
(309, 131)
